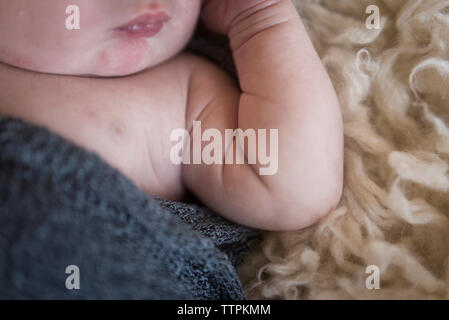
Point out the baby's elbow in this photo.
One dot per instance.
(306, 209)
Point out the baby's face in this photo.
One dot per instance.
(116, 37)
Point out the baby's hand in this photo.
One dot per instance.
(240, 20)
(219, 15)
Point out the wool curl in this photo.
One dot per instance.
(393, 87)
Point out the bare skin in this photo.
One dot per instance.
(128, 120)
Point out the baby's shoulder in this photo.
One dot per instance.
(200, 68)
(191, 74)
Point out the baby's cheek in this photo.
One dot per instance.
(123, 56)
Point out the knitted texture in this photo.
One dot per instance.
(235, 240)
(61, 205)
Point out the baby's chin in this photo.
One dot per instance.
(117, 58)
(125, 57)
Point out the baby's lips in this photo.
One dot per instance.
(146, 25)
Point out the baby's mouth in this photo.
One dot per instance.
(145, 26)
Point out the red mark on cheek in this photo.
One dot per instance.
(154, 6)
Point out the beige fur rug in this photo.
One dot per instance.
(393, 85)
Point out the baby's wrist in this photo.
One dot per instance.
(240, 10)
(222, 16)
(253, 18)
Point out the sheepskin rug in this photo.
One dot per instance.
(393, 85)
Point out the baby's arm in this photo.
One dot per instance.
(284, 86)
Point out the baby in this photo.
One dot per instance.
(120, 87)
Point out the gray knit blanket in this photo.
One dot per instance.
(61, 206)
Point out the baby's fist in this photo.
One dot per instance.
(220, 15)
